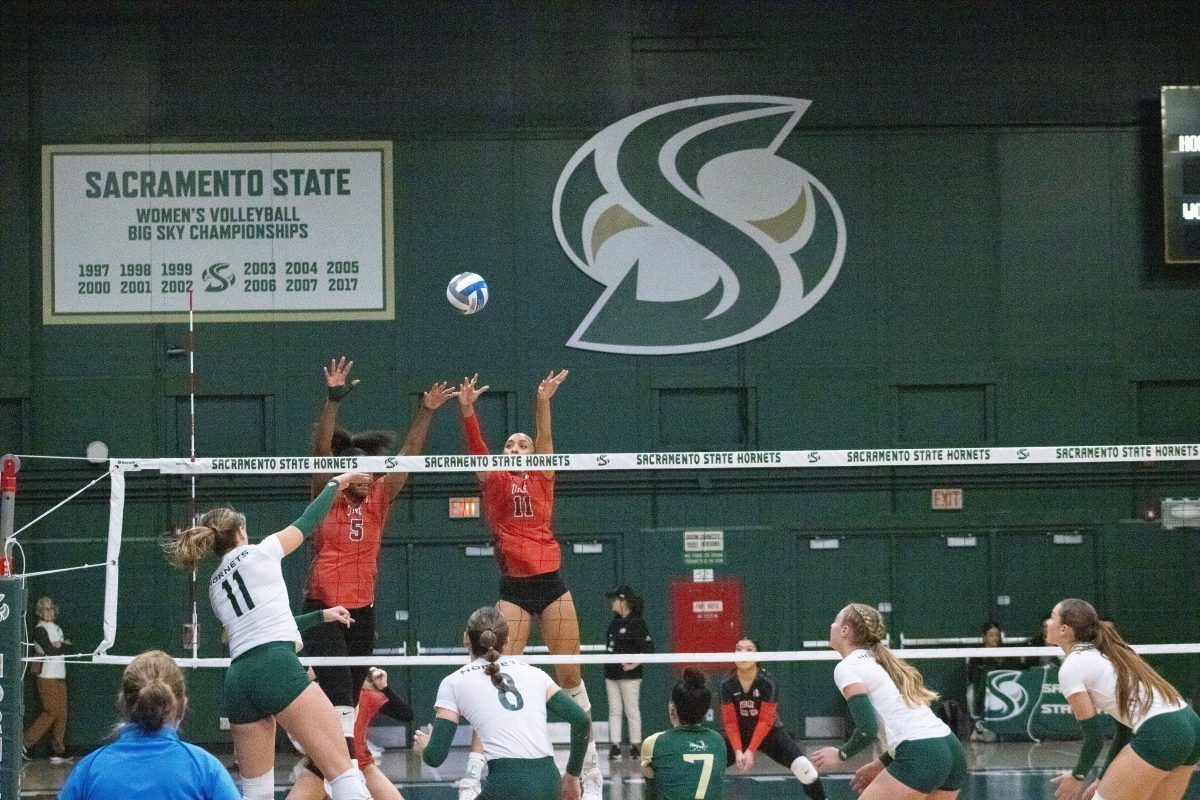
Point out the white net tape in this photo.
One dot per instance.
(739, 459)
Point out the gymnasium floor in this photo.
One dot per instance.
(1006, 771)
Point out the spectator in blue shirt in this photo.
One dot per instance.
(148, 759)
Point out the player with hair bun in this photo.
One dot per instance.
(507, 702)
(346, 545)
(265, 682)
(1158, 736)
(686, 762)
(888, 700)
(518, 508)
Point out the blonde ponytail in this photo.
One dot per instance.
(1137, 681)
(869, 632)
(216, 530)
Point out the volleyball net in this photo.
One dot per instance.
(122, 472)
(779, 584)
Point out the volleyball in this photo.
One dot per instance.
(467, 292)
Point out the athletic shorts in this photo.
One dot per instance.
(524, 778)
(333, 639)
(930, 765)
(777, 745)
(1167, 741)
(534, 593)
(263, 681)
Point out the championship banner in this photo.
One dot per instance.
(716, 459)
(1026, 704)
(250, 231)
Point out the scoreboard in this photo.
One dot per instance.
(1181, 173)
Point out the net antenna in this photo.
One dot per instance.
(193, 632)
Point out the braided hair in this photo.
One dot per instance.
(487, 633)
(866, 623)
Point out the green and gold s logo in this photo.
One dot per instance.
(703, 230)
(216, 279)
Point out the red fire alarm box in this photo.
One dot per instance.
(705, 618)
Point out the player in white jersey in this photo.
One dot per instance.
(888, 700)
(265, 681)
(507, 702)
(1158, 734)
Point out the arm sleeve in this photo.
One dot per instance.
(766, 721)
(1124, 734)
(1093, 741)
(317, 509)
(567, 710)
(309, 620)
(439, 742)
(396, 706)
(732, 732)
(866, 728)
(476, 446)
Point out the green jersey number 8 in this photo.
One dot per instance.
(510, 688)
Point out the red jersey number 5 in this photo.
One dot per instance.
(356, 529)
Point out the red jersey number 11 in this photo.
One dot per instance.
(522, 507)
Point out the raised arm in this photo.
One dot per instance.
(337, 386)
(418, 432)
(543, 440)
(468, 393)
(293, 535)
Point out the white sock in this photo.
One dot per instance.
(475, 763)
(260, 788)
(804, 771)
(580, 696)
(346, 714)
(350, 785)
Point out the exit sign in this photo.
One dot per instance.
(464, 507)
(946, 499)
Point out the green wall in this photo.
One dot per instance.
(1003, 285)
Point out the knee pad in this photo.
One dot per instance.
(475, 765)
(260, 788)
(580, 696)
(803, 769)
(350, 785)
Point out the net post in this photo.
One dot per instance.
(12, 621)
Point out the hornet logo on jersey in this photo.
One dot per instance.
(1006, 697)
(215, 279)
(700, 225)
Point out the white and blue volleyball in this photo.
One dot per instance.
(467, 292)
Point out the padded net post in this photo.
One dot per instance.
(116, 518)
(12, 620)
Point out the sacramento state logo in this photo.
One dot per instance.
(700, 224)
(1006, 697)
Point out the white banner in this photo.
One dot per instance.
(254, 231)
(731, 459)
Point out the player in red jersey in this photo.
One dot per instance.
(346, 545)
(518, 508)
(376, 698)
